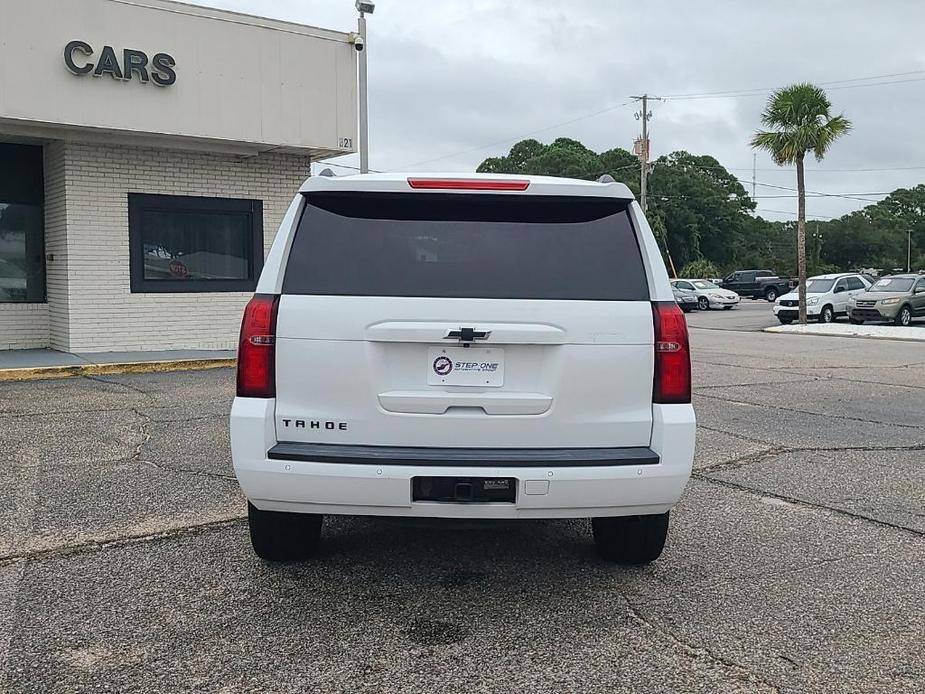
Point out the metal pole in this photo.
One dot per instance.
(909, 251)
(645, 153)
(364, 107)
(754, 173)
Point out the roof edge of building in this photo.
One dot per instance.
(196, 10)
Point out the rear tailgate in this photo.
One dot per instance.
(461, 320)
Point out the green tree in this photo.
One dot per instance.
(700, 269)
(703, 207)
(800, 122)
(696, 207)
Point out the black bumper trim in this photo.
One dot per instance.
(469, 457)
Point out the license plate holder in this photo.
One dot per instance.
(462, 490)
(465, 366)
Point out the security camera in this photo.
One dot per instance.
(365, 7)
(357, 41)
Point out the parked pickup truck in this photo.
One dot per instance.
(758, 284)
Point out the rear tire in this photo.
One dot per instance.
(771, 295)
(278, 536)
(630, 539)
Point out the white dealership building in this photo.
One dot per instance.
(148, 151)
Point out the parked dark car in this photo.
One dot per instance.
(758, 284)
(686, 300)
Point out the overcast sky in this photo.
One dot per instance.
(455, 81)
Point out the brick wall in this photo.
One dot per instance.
(23, 326)
(99, 313)
(56, 246)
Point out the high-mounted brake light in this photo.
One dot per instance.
(257, 348)
(672, 383)
(467, 184)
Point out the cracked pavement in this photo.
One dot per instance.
(793, 564)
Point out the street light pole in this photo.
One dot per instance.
(364, 107)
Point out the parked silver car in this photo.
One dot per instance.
(898, 298)
(708, 294)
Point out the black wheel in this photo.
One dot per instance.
(827, 315)
(278, 536)
(771, 294)
(904, 317)
(785, 321)
(703, 303)
(630, 539)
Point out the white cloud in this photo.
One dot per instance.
(446, 77)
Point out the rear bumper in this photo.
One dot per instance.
(554, 485)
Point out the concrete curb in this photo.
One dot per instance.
(821, 331)
(137, 367)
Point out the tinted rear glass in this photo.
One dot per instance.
(461, 245)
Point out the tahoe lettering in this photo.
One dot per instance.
(315, 424)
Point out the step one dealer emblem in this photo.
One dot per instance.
(443, 366)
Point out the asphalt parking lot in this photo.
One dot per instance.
(794, 561)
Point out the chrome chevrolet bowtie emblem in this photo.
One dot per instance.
(467, 335)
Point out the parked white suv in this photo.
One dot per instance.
(487, 347)
(826, 297)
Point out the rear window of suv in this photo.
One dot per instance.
(462, 245)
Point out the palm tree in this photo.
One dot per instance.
(799, 122)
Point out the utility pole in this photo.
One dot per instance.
(642, 152)
(363, 8)
(643, 148)
(909, 250)
(754, 173)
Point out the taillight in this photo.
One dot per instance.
(257, 348)
(672, 354)
(467, 184)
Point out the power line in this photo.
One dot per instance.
(703, 95)
(832, 85)
(817, 193)
(790, 212)
(815, 171)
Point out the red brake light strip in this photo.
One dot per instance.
(467, 184)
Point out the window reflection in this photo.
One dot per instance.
(22, 270)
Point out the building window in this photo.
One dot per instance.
(189, 244)
(22, 229)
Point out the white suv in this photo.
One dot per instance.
(485, 347)
(826, 298)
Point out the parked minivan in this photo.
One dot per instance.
(484, 347)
